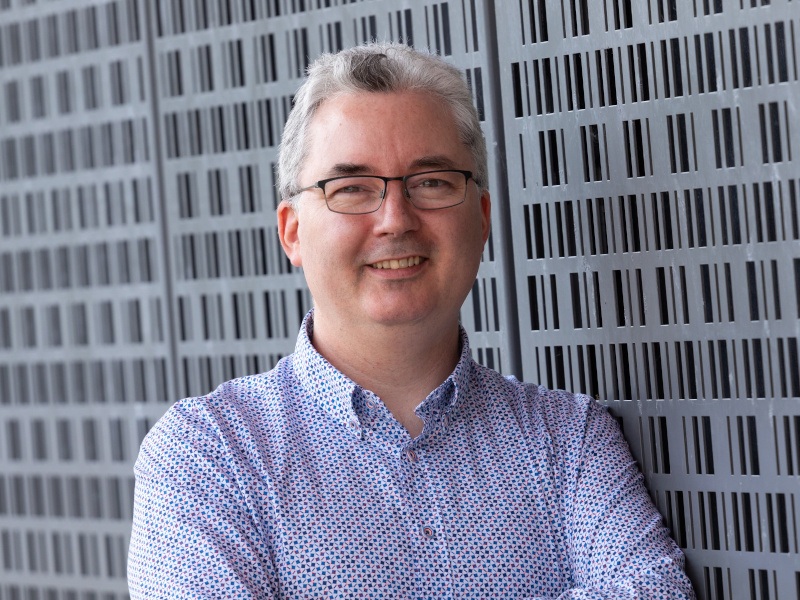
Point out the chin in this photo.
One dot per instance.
(389, 317)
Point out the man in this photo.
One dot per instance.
(379, 460)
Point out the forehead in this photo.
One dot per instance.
(380, 131)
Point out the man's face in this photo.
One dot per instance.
(388, 134)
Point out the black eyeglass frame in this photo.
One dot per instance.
(404, 178)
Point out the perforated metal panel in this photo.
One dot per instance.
(652, 162)
(644, 245)
(85, 365)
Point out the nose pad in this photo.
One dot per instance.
(406, 194)
(399, 215)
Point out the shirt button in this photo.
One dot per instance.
(372, 404)
(446, 420)
(428, 532)
(411, 455)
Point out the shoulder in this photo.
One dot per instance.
(562, 414)
(532, 396)
(244, 397)
(203, 428)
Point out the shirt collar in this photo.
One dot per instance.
(335, 392)
(326, 385)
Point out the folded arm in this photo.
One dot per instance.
(192, 536)
(618, 545)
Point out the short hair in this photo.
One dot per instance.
(377, 67)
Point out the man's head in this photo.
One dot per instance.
(379, 67)
(381, 206)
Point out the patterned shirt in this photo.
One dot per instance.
(298, 483)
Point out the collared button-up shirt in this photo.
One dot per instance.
(298, 483)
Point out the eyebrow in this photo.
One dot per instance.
(434, 161)
(340, 169)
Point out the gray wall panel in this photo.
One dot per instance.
(644, 249)
(85, 363)
(655, 237)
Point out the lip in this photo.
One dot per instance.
(415, 263)
(396, 264)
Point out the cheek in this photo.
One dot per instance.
(470, 249)
(326, 246)
(471, 234)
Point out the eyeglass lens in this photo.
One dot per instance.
(428, 191)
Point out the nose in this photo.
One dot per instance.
(397, 215)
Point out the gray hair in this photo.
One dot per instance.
(377, 67)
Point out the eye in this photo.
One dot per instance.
(431, 182)
(354, 186)
(350, 189)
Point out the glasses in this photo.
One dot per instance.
(362, 194)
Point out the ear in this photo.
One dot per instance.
(288, 226)
(486, 215)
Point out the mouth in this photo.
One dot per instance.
(397, 263)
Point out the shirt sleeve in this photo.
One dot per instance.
(192, 534)
(617, 543)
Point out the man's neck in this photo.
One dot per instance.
(400, 364)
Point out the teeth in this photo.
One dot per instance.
(400, 263)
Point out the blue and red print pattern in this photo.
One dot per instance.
(297, 483)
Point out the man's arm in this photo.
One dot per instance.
(617, 543)
(192, 535)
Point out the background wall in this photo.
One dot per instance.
(644, 248)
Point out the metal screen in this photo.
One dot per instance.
(653, 176)
(645, 249)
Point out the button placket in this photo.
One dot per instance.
(355, 427)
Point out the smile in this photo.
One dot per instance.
(397, 263)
